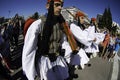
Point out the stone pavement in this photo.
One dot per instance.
(100, 69)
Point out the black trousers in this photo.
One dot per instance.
(4, 73)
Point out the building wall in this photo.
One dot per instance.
(68, 17)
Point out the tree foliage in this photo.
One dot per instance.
(36, 15)
(106, 20)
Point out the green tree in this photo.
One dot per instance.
(101, 23)
(109, 20)
(36, 15)
(106, 20)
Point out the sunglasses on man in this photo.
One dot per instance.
(58, 4)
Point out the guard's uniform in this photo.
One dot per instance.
(46, 69)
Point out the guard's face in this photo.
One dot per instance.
(82, 19)
(57, 7)
(95, 22)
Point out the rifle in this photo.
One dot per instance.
(71, 40)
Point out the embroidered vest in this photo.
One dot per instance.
(55, 39)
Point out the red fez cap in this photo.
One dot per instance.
(55, 0)
(93, 19)
(78, 14)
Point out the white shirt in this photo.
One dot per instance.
(29, 49)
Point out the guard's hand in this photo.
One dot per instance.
(76, 51)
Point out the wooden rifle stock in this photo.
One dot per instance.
(70, 37)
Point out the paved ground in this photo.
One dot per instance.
(100, 70)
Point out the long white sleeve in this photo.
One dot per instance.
(29, 50)
(80, 35)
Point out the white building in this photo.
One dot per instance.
(68, 17)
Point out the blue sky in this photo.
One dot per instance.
(29, 7)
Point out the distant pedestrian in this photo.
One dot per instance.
(10, 33)
(117, 47)
(16, 30)
(111, 46)
(5, 50)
